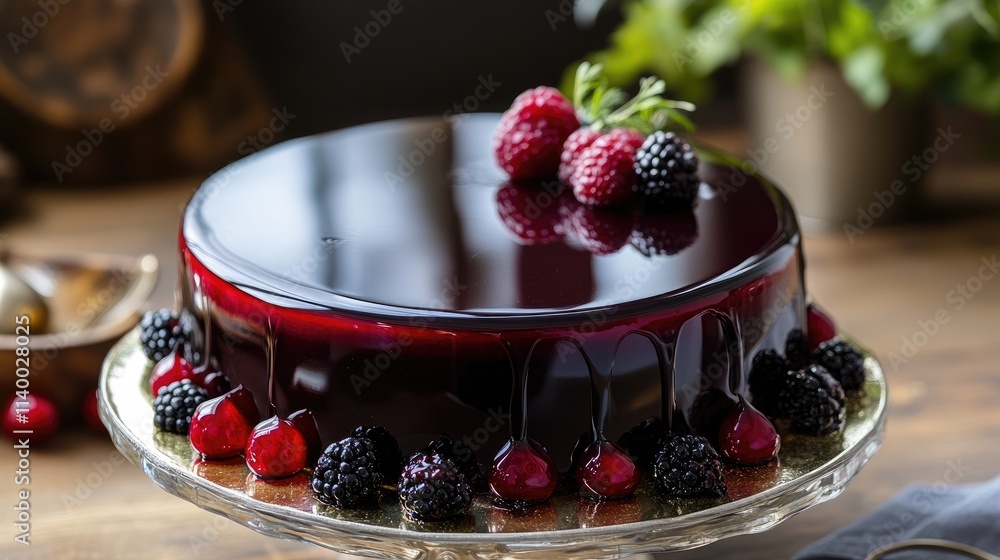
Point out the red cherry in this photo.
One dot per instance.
(819, 326)
(91, 415)
(523, 472)
(215, 382)
(276, 449)
(305, 422)
(606, 472)
(173, 368)
(220, 427)
(747, 436)
(34, 414)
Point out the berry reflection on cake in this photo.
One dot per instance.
(647, 325)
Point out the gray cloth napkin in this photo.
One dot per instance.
(965, 513)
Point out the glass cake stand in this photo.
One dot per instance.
(810, 471)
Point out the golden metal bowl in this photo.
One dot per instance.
(92, 301)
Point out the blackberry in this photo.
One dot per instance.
(459, 453)
(843, 361)
(173, 407)
(390, 458)
(161, 333)
(432, 488)
(813, 400)
(644, 441)
(666, 168)
(767, 377)
(688, 466)
(347, 474)
(796, 349)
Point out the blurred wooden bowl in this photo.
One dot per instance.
(93, 301)
(76, 64)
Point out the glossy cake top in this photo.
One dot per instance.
(413, 217)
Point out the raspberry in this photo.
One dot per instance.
(843, 361)
(390, 458)
(602, 231)
(572, 149)
(530, 136)
(797, 349)
(644, 441)
(688, 466)
(347, 474)
(173, 407)
(161, 333)
(457, 452)
(604, 174)
(631, 136)
(767, 378)
(813, 401)
(663, 232)
(666, 168)
(531, 214)
(432, 488)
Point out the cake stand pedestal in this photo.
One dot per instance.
(810, 471)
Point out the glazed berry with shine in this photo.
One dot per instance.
(433, 488)
(523, 473)
(347, 474)
(747, 436)
(33, 412)
(529, 138)
(176, 404)
(606, 472)
(276, 449)
(220, 427)
(171, 369)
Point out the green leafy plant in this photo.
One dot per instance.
(952, 46)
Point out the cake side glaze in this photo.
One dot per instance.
(678, 330)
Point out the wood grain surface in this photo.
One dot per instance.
(87, 503)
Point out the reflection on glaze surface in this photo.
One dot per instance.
(336, 280)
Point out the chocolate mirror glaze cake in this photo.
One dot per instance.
(389, 275)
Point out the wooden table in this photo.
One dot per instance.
(88, 503)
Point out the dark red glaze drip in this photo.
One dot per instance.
(433, 320)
